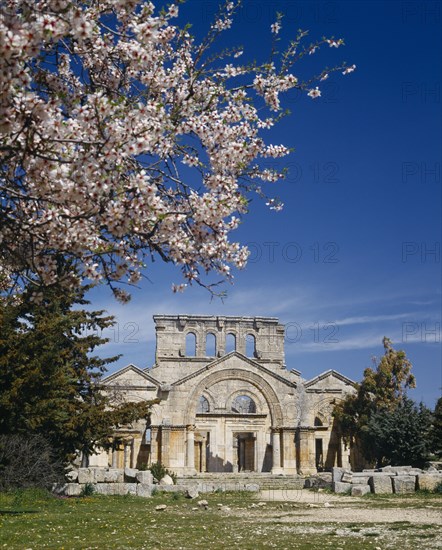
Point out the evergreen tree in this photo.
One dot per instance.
(436, 429)
(49, 381)
(383, 388)
(401, 436)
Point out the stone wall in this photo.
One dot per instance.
(388, 480)
(108, 481)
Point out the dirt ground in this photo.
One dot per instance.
(323, 507)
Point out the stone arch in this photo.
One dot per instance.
(318, 421)
(262, 386)
(256, 397)
(211, 340)
(203, 405)
(250, 344)
(210, 398)
(155, 415)
(190, 344)
(323, 409)
(231, 334)
(243, 404)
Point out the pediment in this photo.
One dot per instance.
(329, 380)
(238, 361)
(133, 377)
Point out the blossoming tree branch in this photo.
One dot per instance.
(122, 138)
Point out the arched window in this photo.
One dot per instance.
(250, 345)
(203, 406)
(230, 342)
(318, 421)
(190, 345)
(243, 404)
(210, 345)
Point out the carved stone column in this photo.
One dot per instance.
(306, 451)
(165, 445)
(276, 451)
(204, 454)
(289, 450)
(190, 462)
(153, 445)
(114, 457)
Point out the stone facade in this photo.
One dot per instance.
(228, 403)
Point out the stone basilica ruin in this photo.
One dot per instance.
(227, 402)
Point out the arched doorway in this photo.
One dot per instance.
(232, 416)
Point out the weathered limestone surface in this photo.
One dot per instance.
(86, 475)
(145, 477)
(360, 479)
(403, 484)
(192, 492)
(286, 428)
(130, 474)
(113, 475)
(397, 479)
(341, 487)
(68, 489)
(360, 490)
(381, 484)
(337, 473)
(166, 480)
(99, 475)
(144, 490)
(429, 481)
(72, 475)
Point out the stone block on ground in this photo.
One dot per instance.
(381, 484)
(144, 490)
(192, 492)
(360, 480)
(166, 480)
(130, 474)
(396, 469)
(145, 477)
(337, 474)
(252, 487)
(428, 481)
(347, 477)
(404, 484)
(360, 490)
(104, 488)
(67, 489)
(99, 475)
(113, 475)
(341, 487)
(125, 488)
(71, 476)
(86, 475)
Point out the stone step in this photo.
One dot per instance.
(242, 482)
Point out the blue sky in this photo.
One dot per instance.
(355, 254)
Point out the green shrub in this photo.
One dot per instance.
(88, 490)
(438, 488)
(159, 471)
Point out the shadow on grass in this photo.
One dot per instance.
(17, 512)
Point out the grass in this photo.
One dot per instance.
(35, 519)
